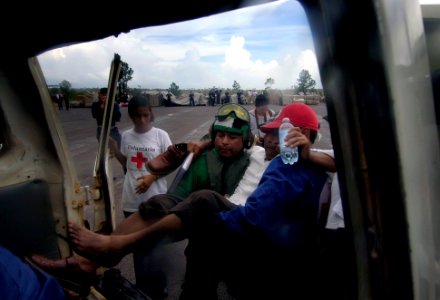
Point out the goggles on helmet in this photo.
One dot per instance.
(232, 110)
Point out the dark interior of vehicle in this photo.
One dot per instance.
(30, 230)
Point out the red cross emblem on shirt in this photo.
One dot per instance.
(138, 159)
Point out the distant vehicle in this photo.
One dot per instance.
(378, 61)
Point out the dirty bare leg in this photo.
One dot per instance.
(107, 250)
(75, 263)
(132, 224)
(110, 249)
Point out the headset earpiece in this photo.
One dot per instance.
(248, 138)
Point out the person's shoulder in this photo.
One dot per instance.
(256, 151)
(160, 131)
(127, 131)
(329, 152)
(201, 159)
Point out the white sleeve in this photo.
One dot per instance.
(251, 176)
(329, 152)
(335, 217)
(254, 128)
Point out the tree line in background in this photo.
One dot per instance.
(305, 85)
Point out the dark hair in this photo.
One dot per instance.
(136, 102)
(103, 91)
(261, 100)
(313, 135)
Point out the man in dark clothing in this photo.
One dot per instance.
(211, 100)
(59, 98)
(191, 99)
(66, 101)
(98, 114)
(227, 98)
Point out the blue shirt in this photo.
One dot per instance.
(19, 280)
(284, 208)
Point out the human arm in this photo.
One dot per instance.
(144, 183)
(296, 138)
(195, 178)
(253, 123)
(94, 110)
(117, 152)
(322, 158)
(199, 147)
(116, 112)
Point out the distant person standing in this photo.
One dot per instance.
(191, 99)
(218, 96)
(259, 115)
(211, 101)
(239, 95)
(59, 98)
(227, 98)
(66, 101)
(168, 101)
(98, 114)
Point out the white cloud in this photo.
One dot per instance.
(248, 45)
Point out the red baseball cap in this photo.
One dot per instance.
(299, 114)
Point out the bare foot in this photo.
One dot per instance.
(100, 248)
(73, 263)
(75, 269)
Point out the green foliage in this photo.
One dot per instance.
(236, 86)
(65, 86)
(305, 83)
(174, 89)
(269, 82)
(54, 90)
(125, 75)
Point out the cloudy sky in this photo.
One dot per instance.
(248, 45)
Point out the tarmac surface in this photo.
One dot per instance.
(183, 124)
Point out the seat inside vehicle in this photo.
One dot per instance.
(26, 219)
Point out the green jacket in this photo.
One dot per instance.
(209, 171)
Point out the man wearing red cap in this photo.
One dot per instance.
(276, 228)
(266, 248)
(300, 115)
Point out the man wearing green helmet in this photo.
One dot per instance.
(218, 169)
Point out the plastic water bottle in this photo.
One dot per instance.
(288, 155)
